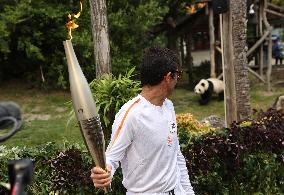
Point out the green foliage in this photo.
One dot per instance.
(32, 33)
(38, 155)
(262, 173)
(129, 25)
(245, 159)
(278, 2)
(57, 170)
(111, 93)
(189, 127)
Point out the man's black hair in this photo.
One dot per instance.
(156, 63)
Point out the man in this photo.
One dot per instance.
(144, 137)
(278, 50)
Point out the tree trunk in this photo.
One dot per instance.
(239, 13)
(189, 59)
(212, 42)
(172, 42)
(181, 48)
(100, 36)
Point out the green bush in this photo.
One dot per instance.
(262, 173)
(189, 127)
(110, 93)
(57, 170)
(39, 156)
(246, 158)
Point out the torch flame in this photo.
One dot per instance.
(191, 9)
(81, 9)
(70, 25)
(200, 5)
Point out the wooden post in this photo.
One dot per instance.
(259, 42)
(222, 47)
(256, 35)
(212, 41)
(269, 68)
(256, 75)
(229, 76)
(273, 6)
(260, 29)
(274, 13)
(270, 28)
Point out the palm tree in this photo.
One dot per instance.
(239, 34)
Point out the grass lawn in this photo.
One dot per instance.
(45, 113)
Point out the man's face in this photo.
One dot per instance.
(174, 77)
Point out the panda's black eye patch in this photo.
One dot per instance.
(202, 84)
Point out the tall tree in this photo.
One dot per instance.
(239, 20)
(100, 36)
(189, 59)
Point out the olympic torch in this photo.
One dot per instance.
(85, 109)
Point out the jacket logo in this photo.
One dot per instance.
(170, 140)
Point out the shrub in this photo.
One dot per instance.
(110, 93)
(220, 161)
(57, 170)
(246, 158)
(188, 126)
(38, 155)
(192, 125)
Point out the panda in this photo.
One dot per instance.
(206, 87)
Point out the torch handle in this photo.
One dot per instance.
(107, 189)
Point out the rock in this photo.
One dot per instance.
(213, 121)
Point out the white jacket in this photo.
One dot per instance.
(144, 139)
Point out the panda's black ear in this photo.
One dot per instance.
(202, 84)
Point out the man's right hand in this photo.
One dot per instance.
(100, 177)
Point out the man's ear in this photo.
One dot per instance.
(167, 77)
